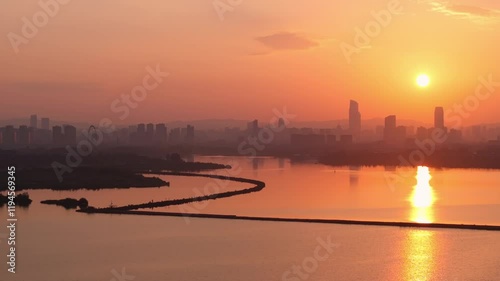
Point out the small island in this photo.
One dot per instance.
(68, 203)
(22, 199)
(91, 178)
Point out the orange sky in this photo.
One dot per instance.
(262, 55)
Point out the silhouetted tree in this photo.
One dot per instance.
(83, 203)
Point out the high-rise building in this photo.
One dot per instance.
(253, 128)
(57, 136)
(141, 128)
(42, 135)
(69, 135)
(281, 133)
(401, 132)
(140, 137)
(150, 132)
(439, 118)
(174, 136)
(45, 123)
(33, 127)
(33, 135)
(390, 130)
(161, 133)
(9, 136)
(354, 118)
(190, 134)
(34, 121)
(390, 122)
(23, 136)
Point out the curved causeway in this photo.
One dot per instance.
(258, 186)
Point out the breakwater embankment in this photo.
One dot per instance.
(299, 220)
(257, 186)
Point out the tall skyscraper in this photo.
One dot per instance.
(34, 121)
(354, 118)
(45, 123)
(439, 118)
(390, 129)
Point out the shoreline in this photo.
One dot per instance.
(298, 220)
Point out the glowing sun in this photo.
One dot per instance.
(423, 80)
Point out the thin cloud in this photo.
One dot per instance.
(259, 53)
(287, 41)
(473, 13)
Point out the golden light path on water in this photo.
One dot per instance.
(420, 245)
(423, 197)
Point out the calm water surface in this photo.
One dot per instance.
(318, 191)
(55, 244)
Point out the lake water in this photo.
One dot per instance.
(55, 244)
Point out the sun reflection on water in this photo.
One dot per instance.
(423, 197)
(419, 252)
(420, 245)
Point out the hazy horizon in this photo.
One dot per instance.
(258, 57)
